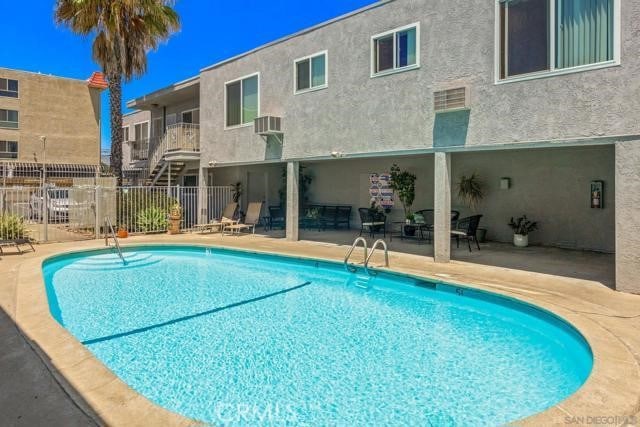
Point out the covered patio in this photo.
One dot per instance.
(551, 185)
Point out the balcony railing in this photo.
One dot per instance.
(178, 137)
(140, 149)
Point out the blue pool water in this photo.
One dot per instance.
(234, 338)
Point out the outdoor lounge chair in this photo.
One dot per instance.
(17, 243)
(251, 219)
(466, 229)
(227, 218)
(371, 223)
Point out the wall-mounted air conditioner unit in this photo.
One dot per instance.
(267, 125)
(451, 100)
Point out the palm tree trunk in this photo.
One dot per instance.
(115, 104)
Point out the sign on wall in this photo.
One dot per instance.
(380, 189)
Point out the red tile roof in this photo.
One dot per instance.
(97, 81)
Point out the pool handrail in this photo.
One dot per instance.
(109, 227)
(373, 248)
(348, 266)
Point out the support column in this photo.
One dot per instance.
(203, 196)
(293, 200)
(442, 208)
(627, 195)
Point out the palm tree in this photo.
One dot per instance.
(124, 31)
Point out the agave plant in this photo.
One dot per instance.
(152, 219)
(522, 225)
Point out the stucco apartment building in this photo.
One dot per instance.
(539, 98)
(48, 119)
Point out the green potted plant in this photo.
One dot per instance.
(521, 228)
(403, 183)
(471, 192)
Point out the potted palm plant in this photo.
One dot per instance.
(521, 228)
(403, 183)
(471, 192)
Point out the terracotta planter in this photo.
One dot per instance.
(174, 225)
(521, 240)
(123, 234)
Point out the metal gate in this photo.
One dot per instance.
(60, 214)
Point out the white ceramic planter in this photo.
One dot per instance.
(521, 241)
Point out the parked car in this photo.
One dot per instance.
(57, 204)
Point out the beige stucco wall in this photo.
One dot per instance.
(627, 159)
(548, 185)
(128, 121)
(65, 110)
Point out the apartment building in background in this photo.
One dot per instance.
(48, 120)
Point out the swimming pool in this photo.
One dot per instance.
(232, 337)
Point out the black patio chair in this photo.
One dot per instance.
(16, 243)
(372, 222)
(466, 228)
(276, 217)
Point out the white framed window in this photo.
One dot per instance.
(242, 101)
(310, 72)
(141, 131)
(395, 50)
(8, 149)
(9, 119)
(541, 38)
(8, 88)
(125, 133)
(191, 116)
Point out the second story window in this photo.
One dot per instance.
(9, 119)
(242, 100)
(9, 88)
(311, 72)
(125, 134)
(191, 116)
(8, 150)
(141, 131)
(395, 50)
(542, 36)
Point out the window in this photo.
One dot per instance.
(8, 150)
(125, 133)
(242, 101)
(311, 72)
(541, 36)
(9, 88)
(9, 119)
(141, 131)
(191, 116)
(396, 50)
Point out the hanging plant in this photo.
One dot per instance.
(471, 190)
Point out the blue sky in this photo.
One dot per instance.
(212, 30)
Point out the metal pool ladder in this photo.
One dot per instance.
(114, 237)
(373, 249)
(351, 267)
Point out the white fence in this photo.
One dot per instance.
(53, 214)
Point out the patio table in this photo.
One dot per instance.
(398, 227)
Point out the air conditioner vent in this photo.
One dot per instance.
(450, 100)
(267, 125)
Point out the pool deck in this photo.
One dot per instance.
(74, 388)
